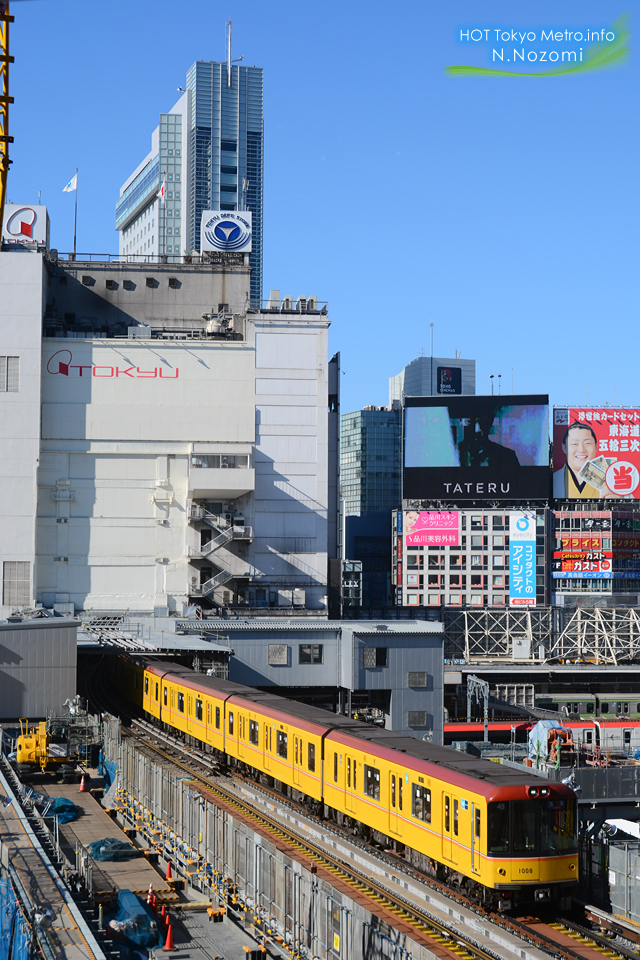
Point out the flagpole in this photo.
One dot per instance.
(75, 218)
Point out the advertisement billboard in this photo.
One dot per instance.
(25, 225)
(596, 453)
(522, 558)
(226, 231)
(474, 448)
(432, 527)
(449, 380)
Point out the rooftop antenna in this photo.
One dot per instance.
(499, 375)
(228, 45)
(491, 381)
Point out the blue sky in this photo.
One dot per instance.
(506, 210)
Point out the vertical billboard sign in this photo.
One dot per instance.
(522, 558)
(596, 453)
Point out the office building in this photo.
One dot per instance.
(159, 452)
(208, 152)
(432, 377)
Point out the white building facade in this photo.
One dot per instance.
(166, 445)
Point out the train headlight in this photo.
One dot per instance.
(533, 791)
(544, 791)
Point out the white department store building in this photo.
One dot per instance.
(163, 444)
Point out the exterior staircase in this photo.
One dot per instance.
(230, 566)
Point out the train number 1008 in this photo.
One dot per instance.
(526, 869)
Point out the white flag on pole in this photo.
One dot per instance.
(72, 185)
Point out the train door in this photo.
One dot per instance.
(297, 760)
(349, 786)
(267, 755)
(393, 801)
(447, 844)
(476, 826)
(242, 721)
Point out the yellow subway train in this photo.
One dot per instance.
(496, 832)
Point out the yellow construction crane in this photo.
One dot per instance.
(5, 100)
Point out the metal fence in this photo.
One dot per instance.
(226, 860)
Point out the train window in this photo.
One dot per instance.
(627, 737)
(523, 823)
(295, 749)
(335, 768)
(477, 824)
(349, 771)
(146, 686)
(557, 827)
(372, 782)
(165, 696)
(270, 750)
(625, 708)
(266, 736)
(312, 757)
(354, 776)
(254, 732)
(217, 718)
(181, 702)
(244, 728)
(498, 828)
(393, 790)
(399, 793)
(231, 724)
(637, 707)
(157, 687)
(455, 818)
(281, 744)
(590, 708)
(588, 736)
(604, 708)
(135, 681)
(208, 714)
(447, 815)
(198, 709)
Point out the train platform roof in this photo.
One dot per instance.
(148, 641)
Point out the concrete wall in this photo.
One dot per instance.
(22, 295)
(37, 667)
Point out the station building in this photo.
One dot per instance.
(165, 443)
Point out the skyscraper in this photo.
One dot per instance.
(208, 152)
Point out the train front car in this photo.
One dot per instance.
(532, 843)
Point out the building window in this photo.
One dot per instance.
(220, 461)
(312, 757)
(16, 583)
(374, 657)
(417, 678)
(417, 718)
(9, 374)
(372, 782)
(310, 653)
(281, 744)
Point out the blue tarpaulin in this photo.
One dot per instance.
(15, 934)
(65, 810)
(539, 738)
(111, 849)
(134, 923)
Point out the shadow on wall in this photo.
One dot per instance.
(12, 697)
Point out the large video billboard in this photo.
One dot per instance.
(596, 453)
(474, 448)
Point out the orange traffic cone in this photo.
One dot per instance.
(163, 914)
(154, 905)
(168, 876)
(83, 786)
(168, 944)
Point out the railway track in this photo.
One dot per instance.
(560, 938)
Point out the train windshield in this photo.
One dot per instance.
(533, 828)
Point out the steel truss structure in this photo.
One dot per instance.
(544, 635)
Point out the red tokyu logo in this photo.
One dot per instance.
(60, 362)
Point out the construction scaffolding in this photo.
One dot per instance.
(544, 635)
